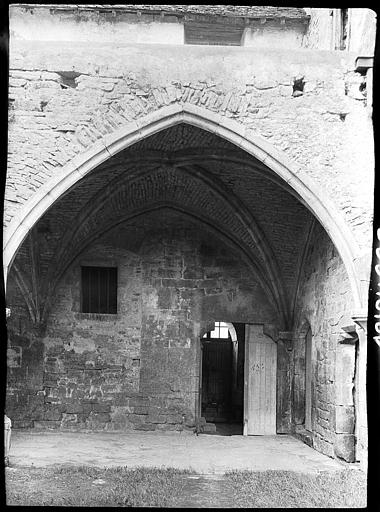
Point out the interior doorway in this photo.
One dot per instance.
(222, 382)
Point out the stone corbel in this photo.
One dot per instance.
(287, 338)
(271, 331)
(360, 318)
(348, 336)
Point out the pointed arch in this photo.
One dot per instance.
(297, 182)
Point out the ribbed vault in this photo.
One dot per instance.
(188, 170)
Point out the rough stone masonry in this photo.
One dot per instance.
(224, 183)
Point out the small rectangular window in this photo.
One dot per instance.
(99, 290)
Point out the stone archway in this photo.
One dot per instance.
(295, 181)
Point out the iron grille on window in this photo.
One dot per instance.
(99, 290)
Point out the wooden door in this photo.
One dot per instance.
(259, 382)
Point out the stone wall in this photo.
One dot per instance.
(362, 31)
(320, 30)
(324, 303)
(325, 26)
(103, 25)
(64, 100)
(258, 26)
(274, 35)
(138, 369)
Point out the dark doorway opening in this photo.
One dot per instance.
(222, 385)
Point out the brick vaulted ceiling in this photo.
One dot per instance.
(191, 171)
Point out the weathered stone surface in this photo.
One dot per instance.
(90, 378)
(139, 369)
(344, 419)
(322, 445)
(344, 447)
(109, 107)
(284, 388)
(332, 368)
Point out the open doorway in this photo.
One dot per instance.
(222, 382)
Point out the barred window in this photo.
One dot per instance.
(99, 290)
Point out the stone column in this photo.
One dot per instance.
(361, 429)
(298, 381)
(284, 382)
(344, 445)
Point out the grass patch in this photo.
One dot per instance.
(288, 489)
(78, 486)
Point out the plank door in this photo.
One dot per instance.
(259, 382)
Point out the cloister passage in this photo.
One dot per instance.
(115, 285)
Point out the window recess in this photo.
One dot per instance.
(99, 290)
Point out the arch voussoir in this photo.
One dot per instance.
(300, 185)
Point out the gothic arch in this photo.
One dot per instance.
(297, 182)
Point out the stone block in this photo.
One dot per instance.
(16, 82)
(75, 408)
(144, 426)
(47, 424)
(344, 393)
(156, 418)
(52, 414)
(119, 399)
(50, 379)
(286, 90)
(180, 283)
(101, 407)
(99, 417)
(164, 298)
(137, 419)
(174, 419)
(344, 419)
(323, 446)
(138, 401)
(344, 447)
(140, 409)
(25, 423)
(209, 427)
(180, 343)
(309, 86)
(193, 273)
(69, 420)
